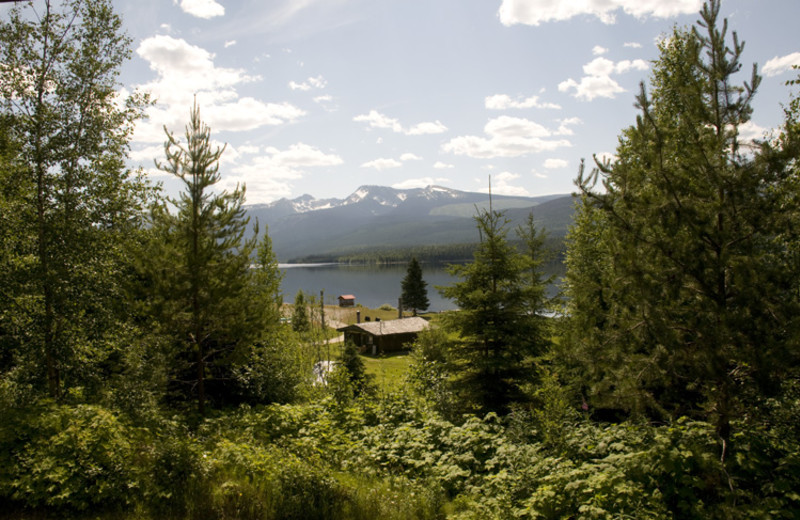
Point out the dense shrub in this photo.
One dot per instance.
(69, 458)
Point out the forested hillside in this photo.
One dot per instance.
(148, 368)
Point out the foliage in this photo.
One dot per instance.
(414, 291)
(354, 367)
(73, 203)
(695, 300)
(69, 458)
(300, 320)
(498, 324)
(429, 371)
(205, 297)
(266, 279)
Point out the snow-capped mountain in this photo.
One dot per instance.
(379, 216)
(380, 195)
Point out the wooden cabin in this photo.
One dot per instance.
(347, 300)
(381, 337)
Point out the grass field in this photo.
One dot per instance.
(388, 371)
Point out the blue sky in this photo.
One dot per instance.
(322, 96)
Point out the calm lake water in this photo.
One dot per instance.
(372, 285)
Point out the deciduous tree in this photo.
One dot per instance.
(72, 196)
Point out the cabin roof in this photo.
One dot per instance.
(389, 327)
(347, 297)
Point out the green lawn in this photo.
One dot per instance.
(388, 370)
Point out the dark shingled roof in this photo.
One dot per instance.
(389, 327)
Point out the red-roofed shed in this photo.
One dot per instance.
(347, 300)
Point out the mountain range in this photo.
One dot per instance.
(379, 217)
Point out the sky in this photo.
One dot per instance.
(322, 96)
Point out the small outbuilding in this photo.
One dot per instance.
(347, 300)
(380, 337)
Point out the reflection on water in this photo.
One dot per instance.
(372, 285)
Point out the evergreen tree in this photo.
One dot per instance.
(300, 319)
(355, 369)
(201, 266)
(493, 357)
(72, 202)
(695, 307)
(267, 280)
(414, 288)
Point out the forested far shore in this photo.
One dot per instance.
(436, 254)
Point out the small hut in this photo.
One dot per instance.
(384, 336)
(347, 300)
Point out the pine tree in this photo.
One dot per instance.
(694, 307)
(414, 288)
(202, 265)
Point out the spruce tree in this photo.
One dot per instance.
(693, 303)
(494, 355)
(414, 288)
(300, 319)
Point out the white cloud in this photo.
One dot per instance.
(382, 164)
(247, 149)
(323, 99)
(423, 182)
(534, 12)
(435, 127)
(439, 165)
(146, 155)
(591, 87)
(377, 120)
(268, 175)
(501, 185)
(597, 50)
(201, 8)
(248, 113)
(317, 82)
(780, 64)
(506, 137)
(230, 43)
(632, 45)
(564, 126)
(299, 86)
(626, 65)
(410, 157)
(504, 102)
(749, 132)
(184, 71)
(551, 164)
(598, 82)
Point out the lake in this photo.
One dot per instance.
(372, 285)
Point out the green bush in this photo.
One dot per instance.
(71, 458)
